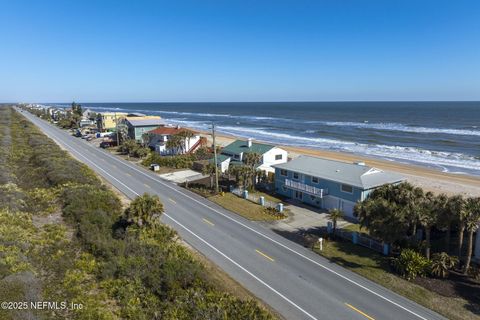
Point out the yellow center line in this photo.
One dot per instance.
(146, 185)
(128, 174)
(361, 312)
(209, 222)
(171, 200)
(264, 255)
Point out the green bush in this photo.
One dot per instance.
(410, 264)
(441, 264)
(177, 162)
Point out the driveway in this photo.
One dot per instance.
(304, 217)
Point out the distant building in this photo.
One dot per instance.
(158, 138)
(234, 154)
(107, 121)
(86, 123)
(137, 126)
(329, 184)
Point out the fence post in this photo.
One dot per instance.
(262, 201)
(386, 249)
(280, 207)
(329, 227)
(245, 194)
(355, 237)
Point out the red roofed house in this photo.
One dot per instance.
(158, 138)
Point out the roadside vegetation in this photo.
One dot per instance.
(66, 237)
(430, 262)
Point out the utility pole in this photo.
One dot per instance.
(116, 129)
(215, 157)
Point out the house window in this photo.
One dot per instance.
(278, 157)
(314, 179)
(295, 175)
(283, 172)
(346, 188)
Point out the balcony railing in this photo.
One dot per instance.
(305, 188)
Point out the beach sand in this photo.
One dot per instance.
(429, 179)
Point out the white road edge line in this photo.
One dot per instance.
(204, 241)
(239, 266)
(266, 237)
(274, 241)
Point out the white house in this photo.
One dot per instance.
(234, 153)
(158, 138)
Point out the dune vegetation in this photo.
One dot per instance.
(64, 236)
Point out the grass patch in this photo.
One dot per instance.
(376, 267)
(245, 208)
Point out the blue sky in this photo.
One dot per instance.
(109, 51)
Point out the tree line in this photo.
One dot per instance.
(395, 213)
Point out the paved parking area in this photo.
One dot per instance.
(304, 217)
(182, 176)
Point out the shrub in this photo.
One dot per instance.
(441, 264)
(410, 264)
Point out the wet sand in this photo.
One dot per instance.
(429, 179)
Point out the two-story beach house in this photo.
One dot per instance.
(107, 121)
(329, 184)
(137, 126)
(158, 138)
(233, 154)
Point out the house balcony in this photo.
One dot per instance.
(295, 185)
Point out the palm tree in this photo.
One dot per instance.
(186, 135)
(414, 199)
(335, 215)
(144, 210)
(461, 216)
(448, 215)
(174, 143)
(252, 160)
(209, 170)
(472, 223)
(427, 218)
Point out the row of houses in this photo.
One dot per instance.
(318, 182)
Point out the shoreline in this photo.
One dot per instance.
(427, 178)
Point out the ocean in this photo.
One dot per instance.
(440, 135)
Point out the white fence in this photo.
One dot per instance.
(254, 198)
(362, 240)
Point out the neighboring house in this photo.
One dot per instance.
(137, 126)
(329, 184)
(86, 123)
(107, 121)
(158, 138)
(87, 114)
(234, 153)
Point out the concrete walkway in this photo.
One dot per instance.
(304, 217)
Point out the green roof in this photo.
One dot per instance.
(220, 158)
(239, 146)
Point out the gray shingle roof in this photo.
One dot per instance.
(146, 122)
(360, 176)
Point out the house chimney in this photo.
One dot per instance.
(249, 142)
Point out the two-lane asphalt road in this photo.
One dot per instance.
(296, 282)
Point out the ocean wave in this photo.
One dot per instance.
(401, 127)
(410, 154)
(359, 125)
